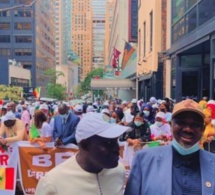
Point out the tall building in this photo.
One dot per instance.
(63, 31)
(99, 12)
(108, 24)
(191, 49)
(28, 36)
(151, 45)
(82, 34)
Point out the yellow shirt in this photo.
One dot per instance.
(14, 133)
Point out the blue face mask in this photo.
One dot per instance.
(185, 151)
(63, 116)
(138, 123)
(112, 120)
(146, 113)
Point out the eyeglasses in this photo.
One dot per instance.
(183, 124)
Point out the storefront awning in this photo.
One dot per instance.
(102, 84)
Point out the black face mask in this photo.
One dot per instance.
(163, 110)
(9, 123)
(133, 112)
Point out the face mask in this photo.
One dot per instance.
(159, 124)
(112, 120)
(63, 116)
(185, 151)
(138, 123)
(146, 113)
(163, 110)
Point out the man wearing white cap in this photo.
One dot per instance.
(94, 170)
(12, 129)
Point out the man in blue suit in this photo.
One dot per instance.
(65, 126)
(179, 168)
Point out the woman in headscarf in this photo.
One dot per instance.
(148, 114)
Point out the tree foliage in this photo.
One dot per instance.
(54, 89)
(12, 93)
(85, 85)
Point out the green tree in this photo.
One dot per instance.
(85, 85)
(13, 93)
(54, 89)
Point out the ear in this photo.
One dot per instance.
(84, 144)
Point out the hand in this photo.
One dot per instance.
(210, 138)
(58, 142)
(3, 141)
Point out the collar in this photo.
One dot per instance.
(192, 160)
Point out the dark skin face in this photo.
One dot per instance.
(187, 128)
(97, 153)
(63, 109)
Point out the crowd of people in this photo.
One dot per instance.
(186, 127)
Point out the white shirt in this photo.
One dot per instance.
(69, 178)
(162, 130)
(46, 130)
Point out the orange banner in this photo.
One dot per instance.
(35, 162)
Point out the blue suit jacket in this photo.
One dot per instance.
(151, 172)
(68, 135)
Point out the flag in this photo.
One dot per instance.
(128, 51)
(37, 92)
(115, 58)
(6, 178)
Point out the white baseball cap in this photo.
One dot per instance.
(78, 108)
(90, 108)
(153, 100)
(8, 116)
(44, 107)
(98, 124)
(134, 101)
(160, 115)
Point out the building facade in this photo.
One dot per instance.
(82, 35)
(99, 12)
(191, 49)
(27, 36)
(151, 45)
(108, 25)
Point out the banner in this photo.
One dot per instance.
(35, 162)
(8, 169)
(115, 58)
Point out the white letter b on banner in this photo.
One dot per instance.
(42, 160)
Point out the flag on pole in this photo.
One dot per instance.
(115, 57)
(37, 92)
(128, 51)
(6, 178)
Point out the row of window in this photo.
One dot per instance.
(193, 18)
(18, 39)
(17, 26)
(26, 2)
(17, 52)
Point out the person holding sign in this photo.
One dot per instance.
(179, 168)
(95, 168)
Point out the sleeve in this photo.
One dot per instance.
(45, 187)
(71, 138)
(135, 179)
(46, 130)
(55, 132)
(146, 133)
